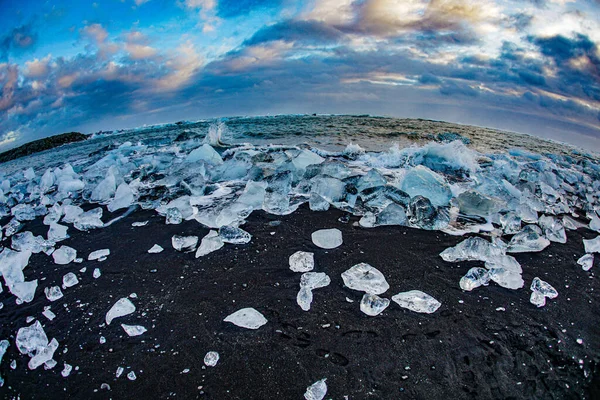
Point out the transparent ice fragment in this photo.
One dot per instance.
(540, 290)
(511, 223)
(43, 354)
(393, 214)
(53, 293)
(184, 243)
(474, 278)
(507, 278)
(234, 235)
(105, 190)
(138, 224)
(365, 278)
(471, 202)
(12, 264)
(97, 273)
(173, 216)
(553, 229)
(48, 313)
(69, 280)
(592, 245)
(64, 255)
(71, 213)
(133, 330)
(95, 255)
(528, 240)
(302, 261)
(122, 307)
(57, 232)
(25, 241)
(3, 346)
(119, 371)
(472, 249)
(304, 298)
(123, 198)
(316, 391)
(66, 370)
(571, 224)
(373, 305)
(417, 301)
(586, 261)
(23, 212)
(327, 238)
(32, 338)
(211, 359)
(70, 185)
(205, 153)
(25, 291)
(211, 242)
(422, 181)
(247, 318)
(131, 376)
(308, 282)
(155, 249)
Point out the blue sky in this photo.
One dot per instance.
(531, 66)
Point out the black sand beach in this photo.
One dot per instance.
(467, 349)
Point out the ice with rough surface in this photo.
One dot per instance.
(417, 301)
(211, 242)
(205, 153)
(96, 273)
(211, 359)
(234, 235)
(302, 261)
(69, 280)
(540, 290)
(64, 255)
(155, 249)
(133, 330)
(422, 181)
(57, 232)
(507, 278)
(3, 346)
(173, 216)
(247, 318)
(308, 282)
(131, 376)
(373, 305)
(592, 245)
(12, 264)
(553, 229)
(530, 239)
(53, 293)
(123, 198)
(48, 313)
(365, 278)
(66, 370)
(327, 238)
(31, 339)
(586, 261)
(316, 391)
(184, 243)
(25, 291)
(474, 278)
(44, 355)
(472, 249)
(95, 255)
(122, 307)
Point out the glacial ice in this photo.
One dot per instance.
(592, 245)
(64, 255)
(155, 249)
(96, 273)
(57, 233)
(586, 261)
(133, 330)
(540, 290)
(25, 291)
(373, 305)
(234, 235)
(48, 313)
(417, 301)
(43, 355)
(422, 181)
(31, 338)
(327, 238)
(553, 229)
(247, 318)
(53, 293)
(211, 242)
(66, 370)
(308, 282)
(123, 198)
(122, 307)
(302, 261)
(69, 280)
(184, 243)
(472, 249)
(12, 264)
(25, 241)
(316, 391)
(3, 346)
(211, 359)
(365, 278)
(529, 239)
(474, 278)
(205, 153)
(99, 254)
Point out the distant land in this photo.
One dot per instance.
(41, 145)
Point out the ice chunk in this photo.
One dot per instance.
(123, 198)
(131, 376)
(105, 190)
(66, 370)
(471, 202)
(133, 330)
(373, 305)
(422, 181)
(31, 339)
(365, 278)
(316, 391)
(23, 212)
(96, 255)
(70, 185)
(247, 318)
(25, 241)
(47, 180)
(205, 153)
(155, 249)
(48, 313)
(511, 223)
(173, 216)
(553, 229)
(53, 293)
(184, 243)
(304, 159)
(507, 278)
(327, 238)
(96, 274)
(64, 255)
(43, 355)
(69, 280)
(330, 189)
(472, 249)
(3, 346)
(308, 282)
(211, 359)
(302, 261)
(211, 242)
(586, 261)
(304, 298)
(232, 234)
(528, 240)
(122, 307)
(138, 224)
(417, 301)
(393, 214)
(571, 224)
(12, 264)
(71, 213)
(57, 232)
(590, 246)
(540, 290)
(474, 278)
(25, 291)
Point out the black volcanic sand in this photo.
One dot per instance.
(465, 350)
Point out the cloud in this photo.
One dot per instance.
(295, 31)
(9, 75)
(17, 41)
(37, 68)
(236, 8)
(8, 138)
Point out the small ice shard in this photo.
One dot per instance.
(302, 261)
(247, 318)
(96, 255)
(373, 305)
(66, 370)
(137, 223)
(234, 235)
(64, 255)
(184, 243)
(43, 355)
(586, 261)
(119, 372)
(308, 282)
(25, 291)
(507, 278)
(472, 249)
(155, 249)
(211, 242)
(53, 293)
(530, 239)
(417, 301)
(304, 298)
(553, 229)
(211, 358)
(123, 198)
(316, 391)
(133, 330)
(365, 278)
(96, 274)
(48, 313)
(31, 339)
(592, 245)
(131, 376)
(69, 280)
(327, 238)
(122, 307)
(3, 346)
(540, 290)
(173, 216)
(474, 278)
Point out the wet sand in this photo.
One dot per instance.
(465, 350)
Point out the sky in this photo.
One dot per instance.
(530, 66)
